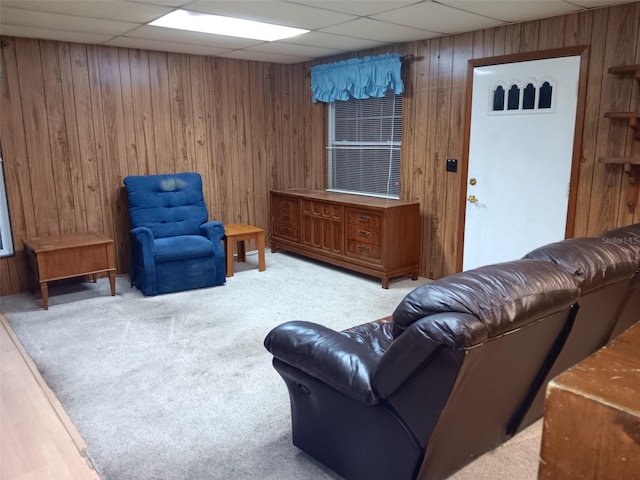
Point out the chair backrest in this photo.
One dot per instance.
(168, 205)
(468, 352)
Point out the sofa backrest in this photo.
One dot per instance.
(168, 205)
(629, 314)
(502, 296)
(468, 354)
(603, 271)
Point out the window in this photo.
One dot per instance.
(6, 244)
(364, 138)
(536, 97)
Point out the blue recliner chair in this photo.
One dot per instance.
(173, 246)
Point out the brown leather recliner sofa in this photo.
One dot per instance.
(460, 366)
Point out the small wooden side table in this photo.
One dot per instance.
(592, 416)
(70, 255)
(237, 233)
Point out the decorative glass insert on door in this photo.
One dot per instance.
(532, 96)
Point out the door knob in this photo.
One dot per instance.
(472, 199)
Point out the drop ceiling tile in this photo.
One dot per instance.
(140, 43)
(280, 13)
(514, 10)
(597, 3)
(173, 35)
(356, 7)
(329, 40)
(295, 50)
(165, 3)
(379, 31)
(47, 34)
(108, 10)
(55, 21)
(263, 57)
(437, 18)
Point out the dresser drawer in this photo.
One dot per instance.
(363, 250)
(322, 209)
(288, 218)
(363, 234)
(363, 218)
(286, 230)
(287, 211)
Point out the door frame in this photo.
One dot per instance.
(583, 52)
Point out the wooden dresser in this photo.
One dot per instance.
(375, 236)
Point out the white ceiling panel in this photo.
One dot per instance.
(59, 35)
(107, 10)
(437, 18)
(144, 44)
(361, 8)
(329, 40)
(55, 21)
(337, 26)
(280, 13)
(172, 35)
(379, 31)
(165, 3)
(295, 50)
(597, 3)
(264, 57)
(513, 10)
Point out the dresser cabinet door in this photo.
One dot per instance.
(322, 225)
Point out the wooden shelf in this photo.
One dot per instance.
(622, 69)
(615, 115)
(620, 160)
(632, 162)
(618, 69)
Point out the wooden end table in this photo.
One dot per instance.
(592, 415)
(237, 233)
(70, 255)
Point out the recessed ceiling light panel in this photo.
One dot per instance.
(230, 26)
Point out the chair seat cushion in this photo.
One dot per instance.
(182, 247)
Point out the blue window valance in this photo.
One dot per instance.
(357, 77)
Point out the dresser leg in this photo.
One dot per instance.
(44, 290)
(112, 282)
(385, 282)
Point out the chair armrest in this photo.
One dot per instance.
(327, 355)
(144, 238)
(213, 230)
(143, 265)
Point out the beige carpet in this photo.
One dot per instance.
(180, 386)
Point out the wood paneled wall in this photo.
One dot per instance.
(75, 119)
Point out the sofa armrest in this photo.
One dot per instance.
(327, 355)
(213, 230)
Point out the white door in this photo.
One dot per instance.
(520, 154)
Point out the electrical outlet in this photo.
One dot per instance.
(452, 164)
